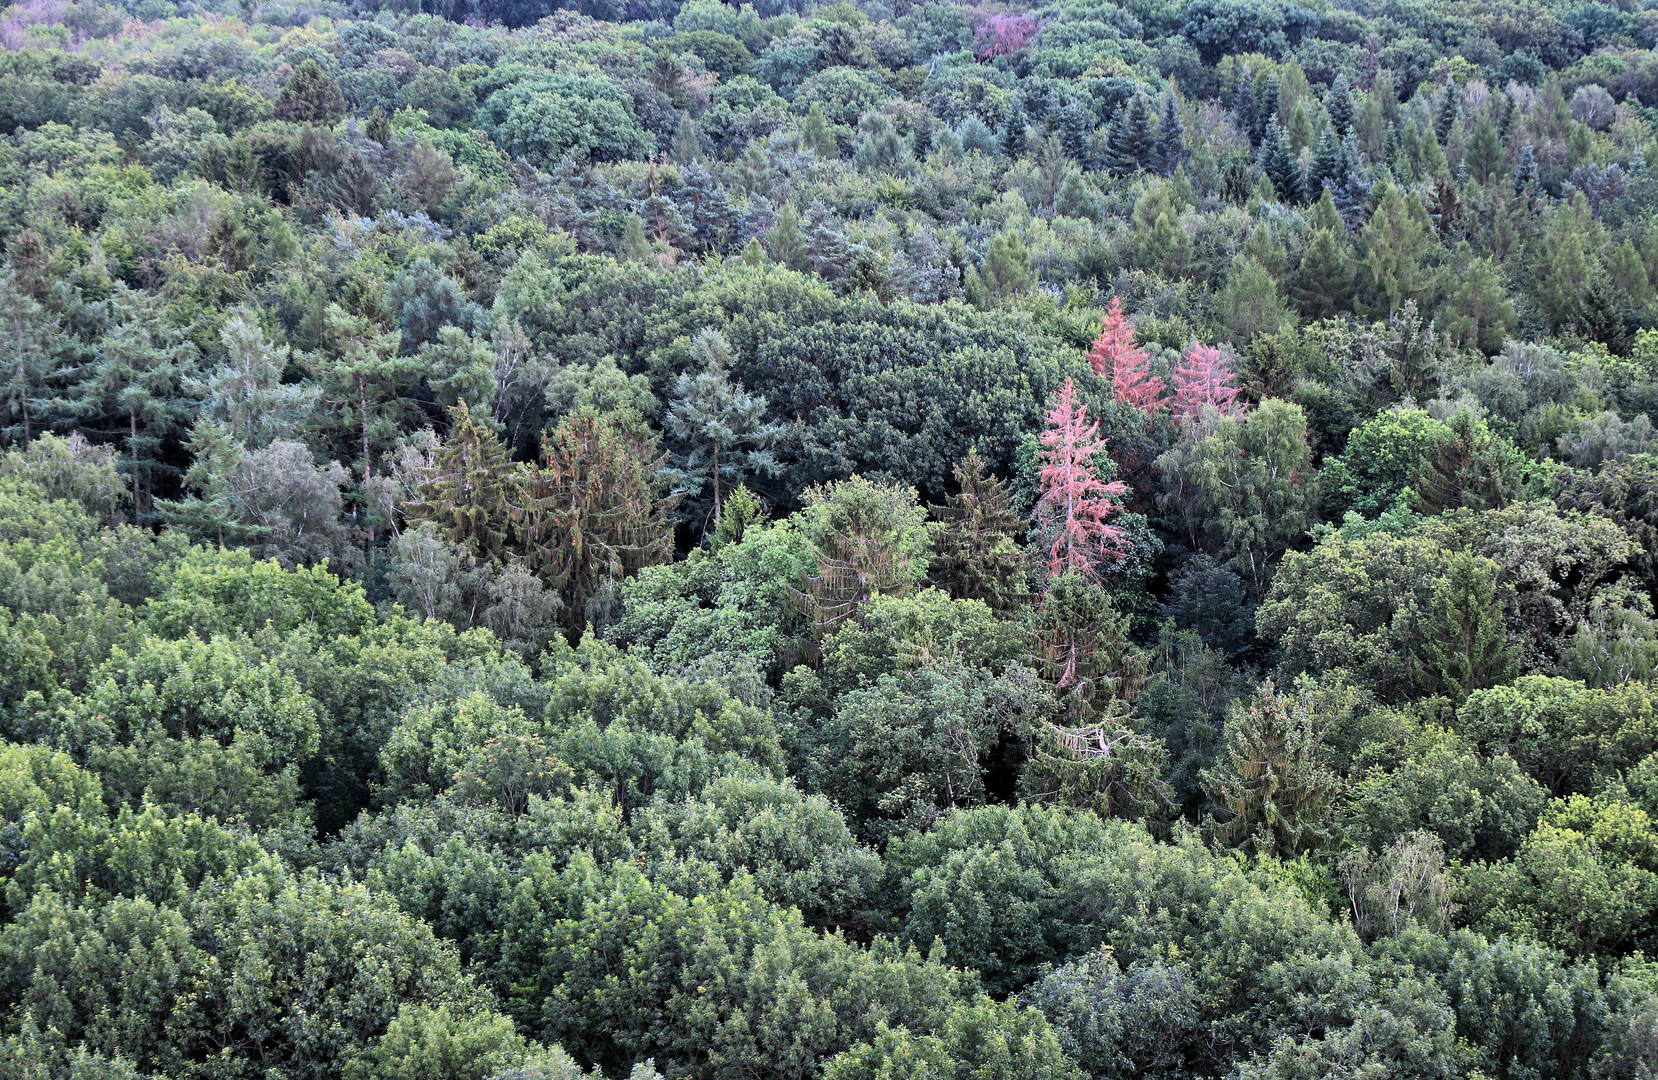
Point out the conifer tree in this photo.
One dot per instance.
(1243, 105)
(1329, 165)
(365, 381)
(1447, 113)
(817, 136)
(1396, 238)
(1074, 509)
(1338, 102)
(1525, 173)
(1170, 149)
(1129, 145)
(27, 361)
(785, 244)
(1279, 166)
(310, 96)
(975, 552)
(592, 511)
(706, 210)
(133, 386)
(1464, 638)
(1202, 380)
(866, 538)
(465, 495)
(719, 429)
(1083, 648)
(246, 392)
(1269, 779)
(1076, 127)
(1115, 355)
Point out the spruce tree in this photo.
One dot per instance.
(1170, 149)
(1279, 166)
(1447, 113)
(1203, 380)
(1129, 146)
(1075, 506)
(592, 511)
(466, 493)
(1115, 355)
(1075, 127)
(719, 431)
(1270, 780)
(1328, 166)
(1464, 644)
(1338, 102)
(976, 555)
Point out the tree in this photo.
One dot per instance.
(311, 96)
(1130, 145)
(1203, 380)
(1270, 779)
(1464, 636)
(1279, 166)
(133, 385)
(1115, 354)
(975, 552)
(1244, 486)
(365, 379)
(1082, 647)
(1169, 151)
(591, 512)
(28, 361)
(1075, 505)
(867, 539)
(246, 392)
(1396, 238)
(466, 493)
(719, 428)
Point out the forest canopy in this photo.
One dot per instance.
(792, 541)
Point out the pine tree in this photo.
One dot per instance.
(1074, 509)
(719, 430)
(133, 387)
(1170, 149)
(310, 96)
(1203, 380)
(1464, 636)
(466, 492)
(246, 392)
(975, 552)
(1114, 354)
(1266, 106)
(365, 379)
